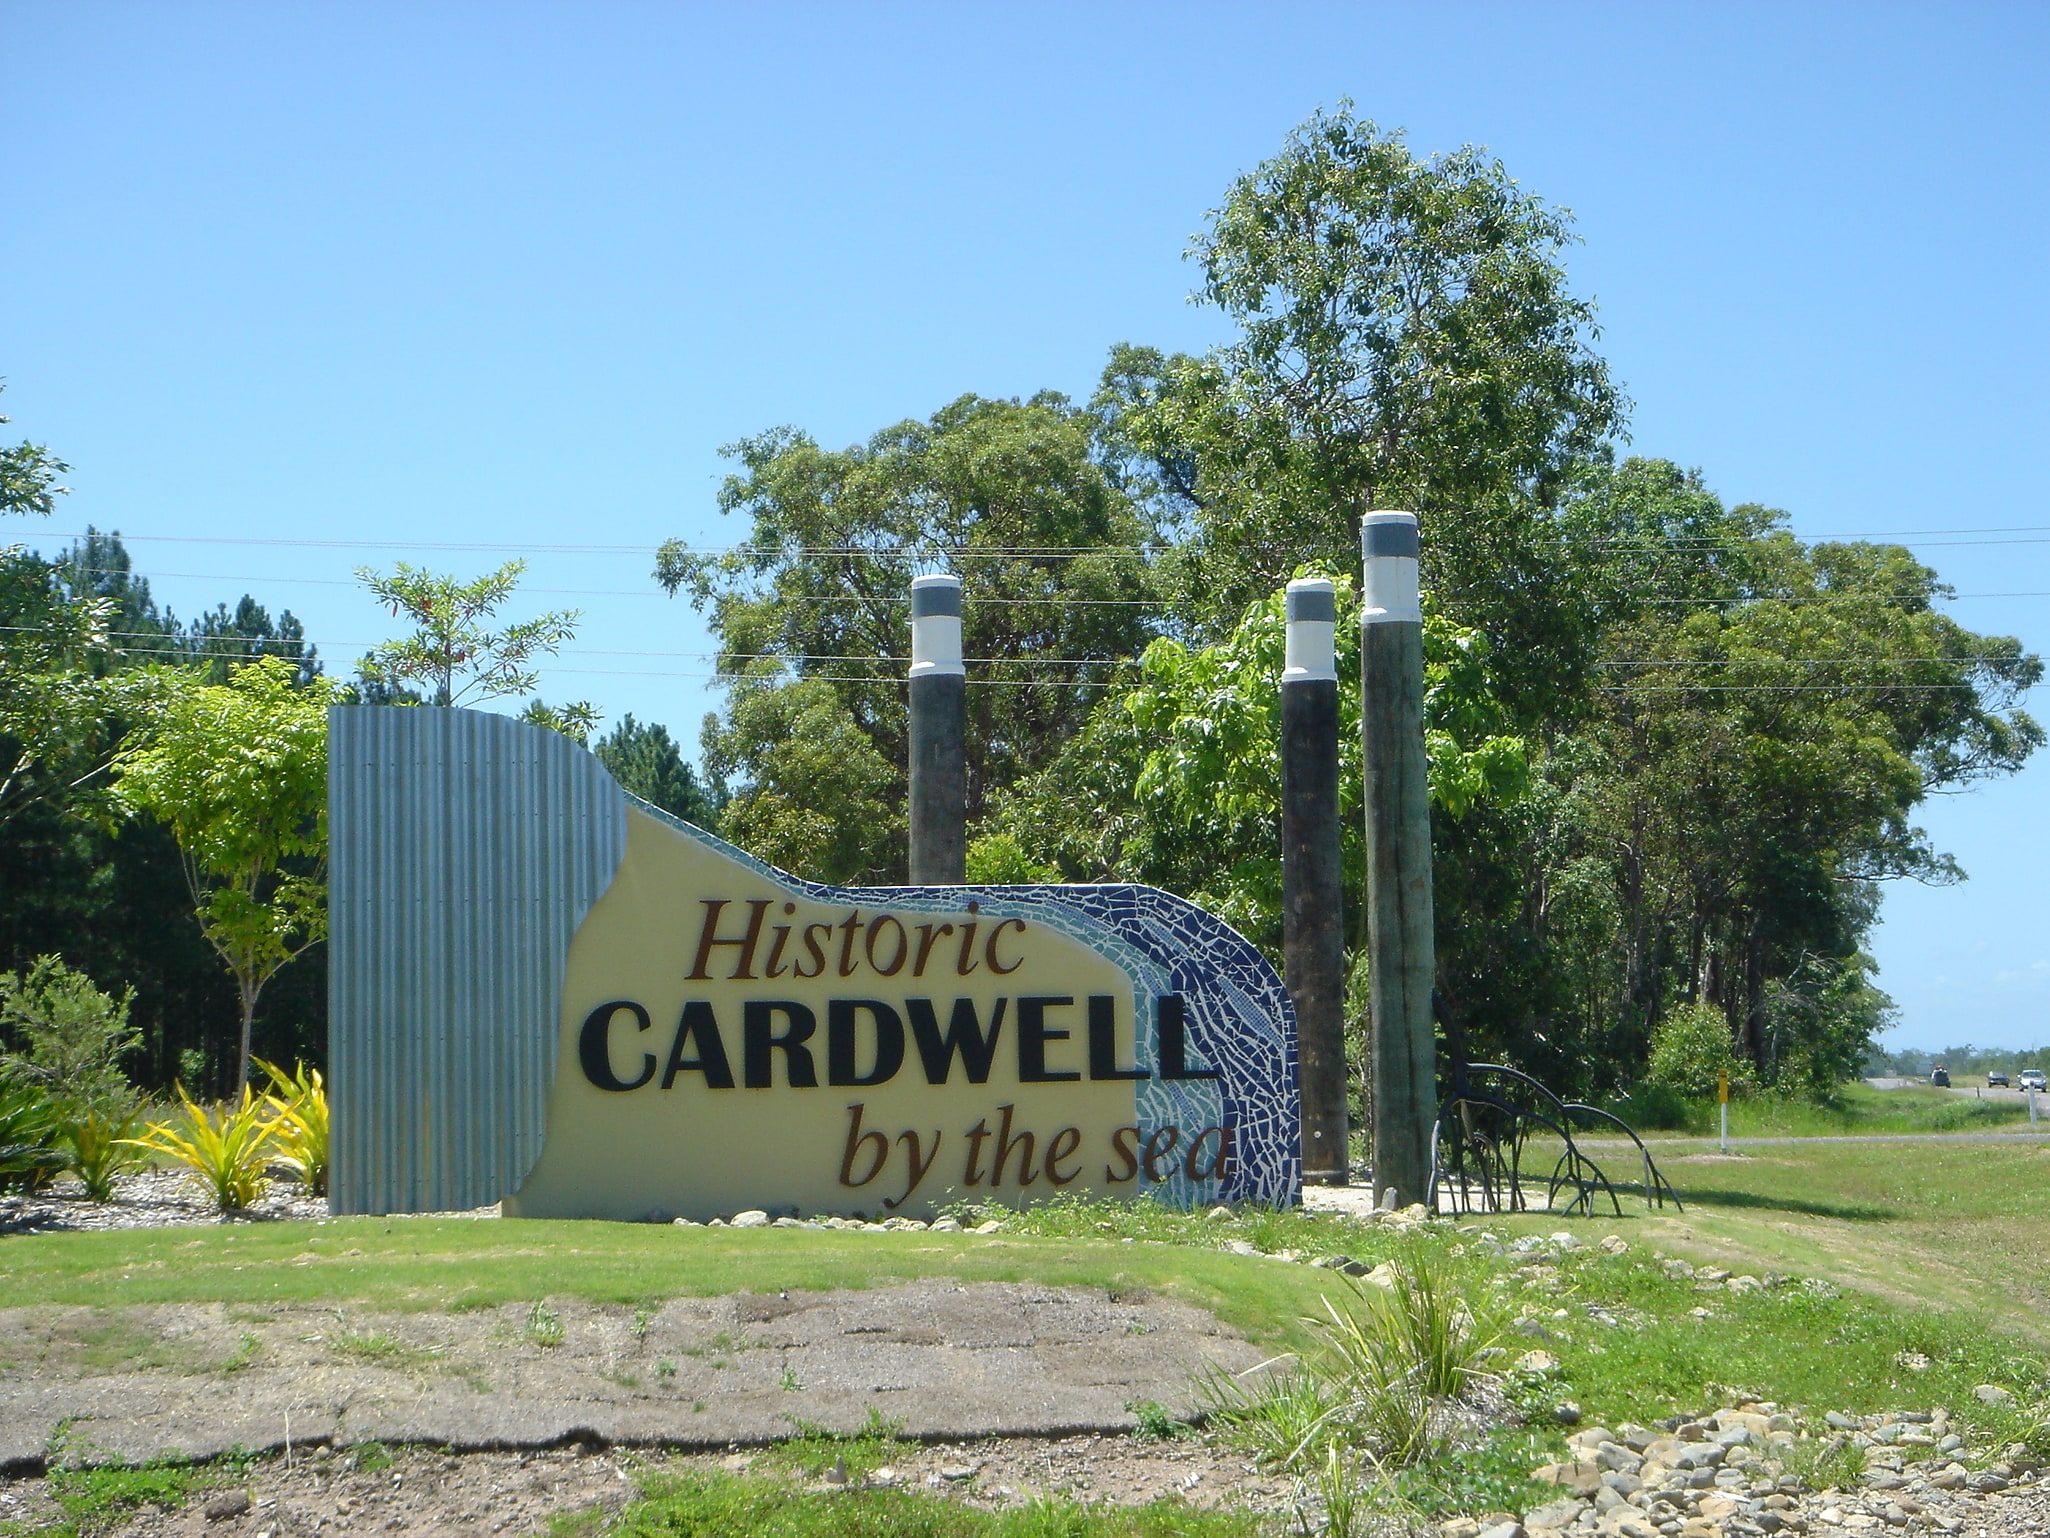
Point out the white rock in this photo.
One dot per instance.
(754, 1218)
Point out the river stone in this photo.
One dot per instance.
(1556, 1514)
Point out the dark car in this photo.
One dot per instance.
(1996, 1079)
(1940, 1077)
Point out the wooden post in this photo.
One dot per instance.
(1401, 948)
(1312, 880)
(939, 719)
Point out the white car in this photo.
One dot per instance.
(2032, 1078)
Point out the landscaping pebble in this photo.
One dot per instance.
(1722, 1475)
(151, 1199)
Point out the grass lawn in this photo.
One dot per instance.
(1953, 1226)
(437, 1264)
(1860, 1109)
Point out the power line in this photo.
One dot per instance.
(1051, 599)
(1929, 537)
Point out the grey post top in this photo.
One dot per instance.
(1389, 534)
(935, 595)
(1312, 599)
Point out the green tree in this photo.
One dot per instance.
(238, 773)
(28, 477)
(452, 653)
(1710, 823)
(1690, 1052)
(70, 1036)
(1175, 780)
(1011, 494)
(818, 802)
(1407, 338)
(56, 736)
(647, 762)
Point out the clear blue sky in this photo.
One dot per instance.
(509, 275)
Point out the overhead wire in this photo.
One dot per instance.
(1929, 537)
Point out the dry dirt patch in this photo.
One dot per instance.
(938, 1359)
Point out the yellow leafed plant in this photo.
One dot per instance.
(298, 1123)
(227, 1148)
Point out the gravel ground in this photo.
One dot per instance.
(517, 1493)
(152, 1199)
(418, 1490)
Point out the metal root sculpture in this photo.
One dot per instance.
(1485, 1129)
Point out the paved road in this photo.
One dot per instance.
(1655, 1144)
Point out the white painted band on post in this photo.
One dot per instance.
(936, 626)
(1388, 550)
(1312, 645)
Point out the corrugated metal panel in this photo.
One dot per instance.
(464, 851)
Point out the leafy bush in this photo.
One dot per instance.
(100, 1146)
(227, 1148)
(1655, 1107)
(29, 1155)
(1690, 1048)
(70, 1036)
(298, 1123)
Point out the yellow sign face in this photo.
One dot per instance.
(727, 1042)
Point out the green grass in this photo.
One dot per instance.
(457, 1264)
(1954, 1226)
(1944, 1250)
(1857, 1110)
(814, 1449)
(723, 1506)
(95, 1497)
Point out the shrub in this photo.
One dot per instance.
(298, 1123)
(71, 1036)
(227, 1148)
(29, 1155)
(1690, 1047)
(100, 1146)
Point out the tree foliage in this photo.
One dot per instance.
(451, 651)
(67, 1036)
(646, 761)
(1176, 780)
(1013, 495)
(1406, 338)
(238, 773)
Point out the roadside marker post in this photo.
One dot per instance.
(939, 715)
(1400, 943)
(1722, 1095)
(1312, 874)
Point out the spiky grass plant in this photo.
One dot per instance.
(1390, 1362)
(297, 1106)
(100, 1146)
(1279, 1416)
(227, 1148)
(1396, 1358)
(29, 1154)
